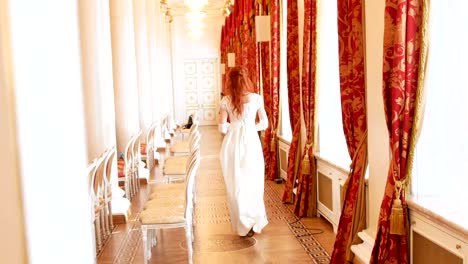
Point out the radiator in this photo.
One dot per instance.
(434, 243)
(283, 151)
(330, 180)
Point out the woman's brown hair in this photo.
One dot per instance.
(238, 85)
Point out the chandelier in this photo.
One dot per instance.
(227, 8)
(195, 17)
(195, 5)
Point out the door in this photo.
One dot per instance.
(201, 89)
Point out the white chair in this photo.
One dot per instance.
(183, 147)
(177, 169)
(128, 170)
(96, 201)
(186, 131)
(90, 172)
(108, 169)
(181, 157)
(140, 172)
(146, 148)
(171, 213)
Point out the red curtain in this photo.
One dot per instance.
(401, 69)
(306, 197)
(250, 7)
(294, 96)
(270, 72)
(223, 56)
(353, 104)
(245, 24)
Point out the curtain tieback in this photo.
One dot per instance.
(306, 161)
(397, 216)
(273, 141)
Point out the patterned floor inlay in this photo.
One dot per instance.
(303, 234)
(221, 243)
(129, 246)
(212, 226)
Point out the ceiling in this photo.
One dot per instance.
(213, 8)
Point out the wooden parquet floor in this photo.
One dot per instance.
(286, 239)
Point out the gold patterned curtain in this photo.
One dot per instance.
(294, 97)
(353, 105)
(306, 197)
(270, 72)
(405, 53)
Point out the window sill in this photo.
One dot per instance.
(284, 140)
(454, 210)
(333, 165)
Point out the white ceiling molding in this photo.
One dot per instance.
(213, 8)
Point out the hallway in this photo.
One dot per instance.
(284, 240)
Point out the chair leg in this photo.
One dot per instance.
(146, 247)
(103, 225)
(127, 188)
(130, 185)
(153, 238)
(105, 228)
(97, 231)
(135, 181)
(188, 236)
(137, 178)
(111, 221)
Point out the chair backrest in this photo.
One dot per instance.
(128, 156)
(135, 145)
(92, 198)
(150, 138)
(109, 165)
(192, 133)
(194, 141)
(98, 180)
(190, 183)
(90, 171)
(193, 128)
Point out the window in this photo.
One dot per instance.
(332, 141)
(285, 125)
(439, 174)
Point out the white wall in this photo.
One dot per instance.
(12, 240)
(46, 76)
(124, 72)
(185, 47)
(378, 143)
(143, 64)
(96, 62)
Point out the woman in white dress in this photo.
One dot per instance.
(241, 155)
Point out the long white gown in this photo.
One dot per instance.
(243, 167)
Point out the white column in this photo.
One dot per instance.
(12, 240)
(106, 76)
(88, 17)
(152, 9)
(46, 76)
(170, 36)
(165, 65)
(378, 146)
(124, 72)
(169, 90)
(143, 66)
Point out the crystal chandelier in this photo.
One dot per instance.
(195, 5)
(227, 8)
(195, 17)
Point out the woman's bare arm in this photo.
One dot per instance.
(262, 116)
(223, 125)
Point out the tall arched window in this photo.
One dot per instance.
(332, 143)
(285, 126)
(439, 172)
